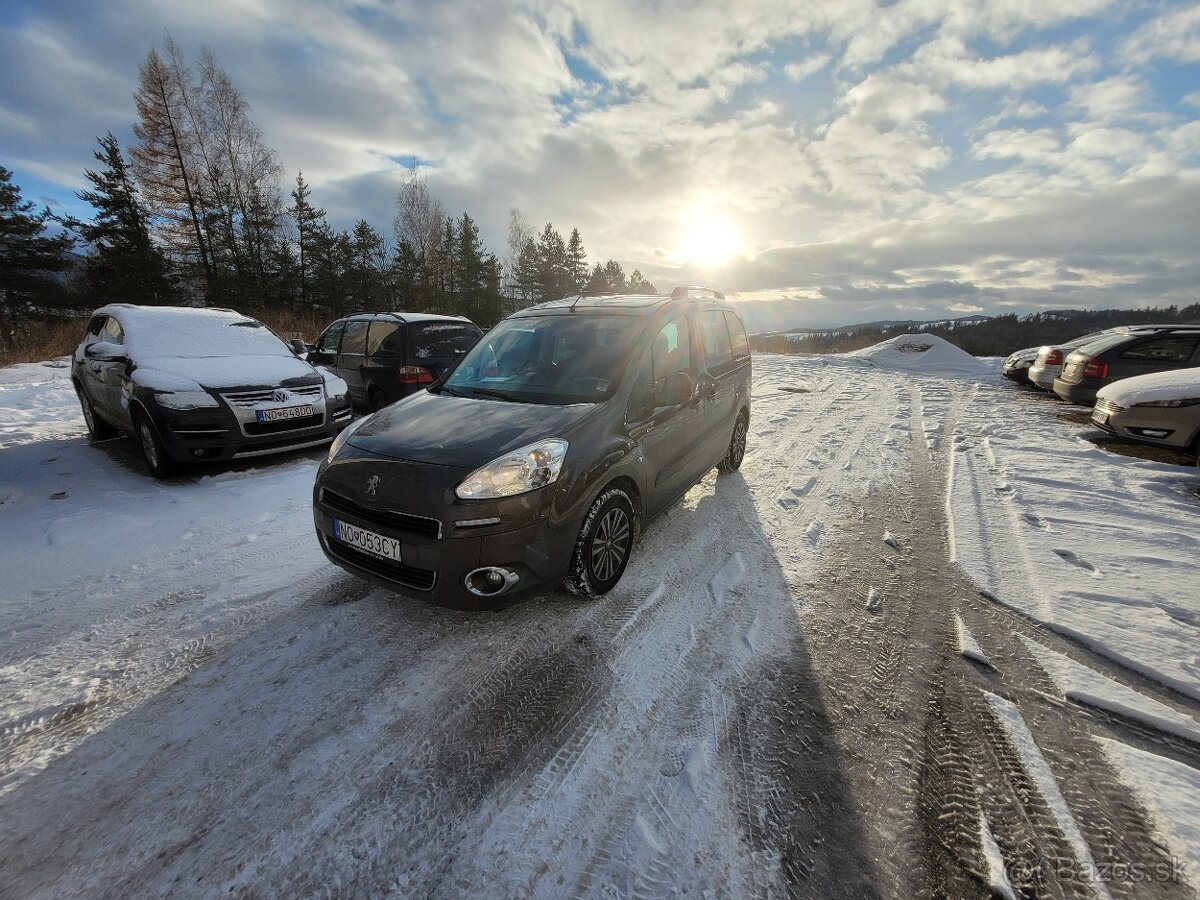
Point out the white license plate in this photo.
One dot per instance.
(1100, 418)
(368, 541)
(286, 412)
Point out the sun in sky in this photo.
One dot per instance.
(708, 237)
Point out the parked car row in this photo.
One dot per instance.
(493, 467)
(1143, 380)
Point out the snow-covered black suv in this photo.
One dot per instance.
(541, 456)
(201, 384)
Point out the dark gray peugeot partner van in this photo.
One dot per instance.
(540, 457)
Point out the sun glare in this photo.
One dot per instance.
(707, 238)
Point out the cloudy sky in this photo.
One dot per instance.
(909, 159)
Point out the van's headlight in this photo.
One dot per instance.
(342, 436)
(526, 469)
(185, 400)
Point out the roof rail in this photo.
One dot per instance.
(695, 290)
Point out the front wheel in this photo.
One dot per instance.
(604, 545)
(157, 462)
(732, 461)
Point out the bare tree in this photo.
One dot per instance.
(164, 163)
(520, 235)
(419, 216)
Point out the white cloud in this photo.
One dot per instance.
(1038, 145)
(1119, 97)
(798, 71)
(1175, 35)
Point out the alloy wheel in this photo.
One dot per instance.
(611, 544)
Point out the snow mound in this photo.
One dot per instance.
(925, 353)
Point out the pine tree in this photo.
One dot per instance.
(368, 258)
(598, 281)
(577, 271)
(639, 285)
(615, 276)
(309, 226)
(124, 264)
(470, 266)
(527, 272)
(27, 255)
(553, 279)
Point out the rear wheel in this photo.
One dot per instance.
(604, 545)
(96, 426)
(732, 460)
(376, 400)
(157, 462)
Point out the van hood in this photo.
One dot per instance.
(459, 431)
(222, 372)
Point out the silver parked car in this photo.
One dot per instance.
(1160, 408)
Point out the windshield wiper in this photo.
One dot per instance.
(449, 390)
(499, 395)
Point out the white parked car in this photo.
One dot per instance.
(1159, 408)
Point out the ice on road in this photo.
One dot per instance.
(774, 700)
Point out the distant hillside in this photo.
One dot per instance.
(978, 335)
(892, 325)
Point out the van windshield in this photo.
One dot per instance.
(553, 360)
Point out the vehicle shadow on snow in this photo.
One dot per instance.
(672, 731)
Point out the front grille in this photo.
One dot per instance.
(421, 525)
(408, 576)
(251, 399)
(254, 428)
(1107, 407)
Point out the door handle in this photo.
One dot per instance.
(710, 390)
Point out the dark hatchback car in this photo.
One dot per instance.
(539, 459)
(194, 385)
(1124, 354)
(386, 356)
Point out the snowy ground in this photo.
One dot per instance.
(931, 639)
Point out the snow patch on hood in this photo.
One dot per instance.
(225, 371)
(923, 353)
(1178, 384)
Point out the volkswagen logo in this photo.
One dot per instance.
(372, 485)
(279, 395)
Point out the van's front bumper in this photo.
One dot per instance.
(440, 542)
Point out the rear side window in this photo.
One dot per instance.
(1163, 349)
(737, 336)
(355, 338)
(442, 340)
(385, 340)
(714, 335)
(332, 338)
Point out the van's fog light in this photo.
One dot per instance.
(489, 581)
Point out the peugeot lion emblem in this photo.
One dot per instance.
(372, 485)
(279, 395)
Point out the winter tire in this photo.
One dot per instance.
(732, 461)
(157, 462)
(604, 545)
(96, 426)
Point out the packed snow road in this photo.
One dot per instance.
(931, 640)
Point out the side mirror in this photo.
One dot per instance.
(299, 347)
(104, 351)
(676, 391)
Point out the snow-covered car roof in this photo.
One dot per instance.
(152, 331)
(1177, 384)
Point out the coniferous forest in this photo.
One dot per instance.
(199, 211)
